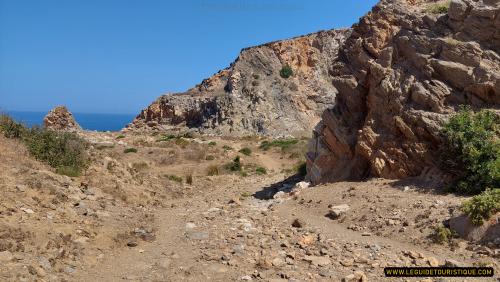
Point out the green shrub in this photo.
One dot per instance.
(139, 166)
(243, 174)
(235, 165)
(65, 151)
(212, 143)
(10, 128)
(130, 150)
(442, 235)
(182, 142)
(261, 170)
(166, 138)
(121, 136)
(284, 144)
(212, 170)
(286, 71)
(227, 148)
(439, 8)
(482, 206)
(246, 151)
(472, 150)
(175, 178)
(209, 158)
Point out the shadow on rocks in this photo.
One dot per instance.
(287, 184)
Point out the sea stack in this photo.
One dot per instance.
(60, 118)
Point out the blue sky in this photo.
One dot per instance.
(117, 56)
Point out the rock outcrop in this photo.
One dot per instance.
(399, 75)
(60, 118)
(250, 97)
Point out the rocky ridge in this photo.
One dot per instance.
(60, 118)
(399, 75)
(250, 97)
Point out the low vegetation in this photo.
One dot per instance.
(246, 151)
(189, 179)
(175, 178)
(472, 150)
(286, 71)
(235, 165)
(213, 170)
(482, 206)
(212, 143)
(284, 144)
(64, 151)
(261, 170)
(227, 148)
(442, 235)
(130, 150)
(439, 8)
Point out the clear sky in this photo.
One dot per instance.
(117, 56)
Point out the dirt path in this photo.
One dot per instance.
(208, 238)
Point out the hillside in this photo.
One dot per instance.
(250, 97)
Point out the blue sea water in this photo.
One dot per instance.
(88, 121)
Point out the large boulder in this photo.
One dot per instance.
(60, 118)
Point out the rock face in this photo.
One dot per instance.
(250, 97)
(60, 118)
(399, 75)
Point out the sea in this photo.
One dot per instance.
(88, 121)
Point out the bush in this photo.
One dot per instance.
(286, 71)
(181, 142)
(10, 128)
(65, 151)
(121, 136)
(261, 170)
(284, 144)
(246, 151)
(235, 165)
(212, 170)
(175, 178)
(442, 235)
(212, 143)
(130, 150)
(189, 179)
(209, 158)
(472, 150)
(227, 148)
(439, 8)
(482, 206)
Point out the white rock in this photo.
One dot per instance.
(27, 210)
(337, 211)
(319, 261)
(190, 225)
(246, 278)
(279, 195)
(302, 185)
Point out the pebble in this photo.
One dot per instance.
(6, 256)
(298, 223)
(433, 261)
(197, 235)
(132, 244)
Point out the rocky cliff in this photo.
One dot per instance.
(250, 97)
(405, 67)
